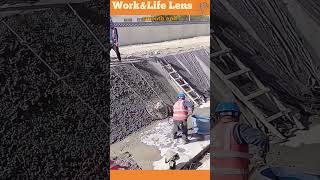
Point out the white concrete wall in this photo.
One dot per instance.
(134, 18)
(153, 34)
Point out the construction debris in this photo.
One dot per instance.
(126, 161)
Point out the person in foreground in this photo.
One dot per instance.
(230, 148)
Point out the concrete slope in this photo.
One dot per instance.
(130, 94)
(274, 39)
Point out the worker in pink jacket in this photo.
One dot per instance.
(182, 109)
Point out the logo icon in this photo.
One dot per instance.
(203, 6)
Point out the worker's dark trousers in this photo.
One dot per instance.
(116, 49)
(180, 126)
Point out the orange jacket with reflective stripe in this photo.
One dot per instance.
(230, 159)
(180, 111)
(113, 166)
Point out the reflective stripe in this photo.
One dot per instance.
(179, 115)
(113, 166)
(232, 154)
(180, 112)
(230, 159)
(228, 136)
(227, 146)
(184, 115)
(229, 171)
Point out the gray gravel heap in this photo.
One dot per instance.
(46, 131)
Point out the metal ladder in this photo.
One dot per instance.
(226, 55)
(182, 83)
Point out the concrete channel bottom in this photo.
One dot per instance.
(149, 146)
(160, 136)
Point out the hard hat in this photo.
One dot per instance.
(181, 95)
(227, 107)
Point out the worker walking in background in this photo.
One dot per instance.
(114, 166)
(230, 146)
(114, 40)
(182, 109)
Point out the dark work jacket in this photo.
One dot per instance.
(244, 134)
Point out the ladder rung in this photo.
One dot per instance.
(180, 80)
(220, 52)
(190, 91)
(196, 95)
(275, 116)
(185, 84)
(256, 94)
(237, 73)
(195, 98)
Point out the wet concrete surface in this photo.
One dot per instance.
(129, 98)
(148, 145)
(143, 155)
(300, 151)
(126, 161)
